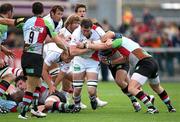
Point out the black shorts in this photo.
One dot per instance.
(147, 67)
(115, 68)
(60, 95)
(32, 64)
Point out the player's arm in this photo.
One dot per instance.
(6, 21)
(47, 78)
(60, 42)
(45, 72)
(108, 35)
(19, 22)
(121, 59)
(7, 52)
(110, 43)
(74, 51)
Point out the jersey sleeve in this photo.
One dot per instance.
(19, 22)
(99, 30)
(51, 32)
(116, 42)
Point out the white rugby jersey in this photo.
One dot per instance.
(53, 57)
(65, 32)
(77, 37)
(50, 48)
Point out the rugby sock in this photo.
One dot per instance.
(77, 99)
(3, 87)
(35, 98)
(92, 98)
(62, 107)
(143, 97)
(131, 97)
(165, 98)
(147, 96)
(27, 99)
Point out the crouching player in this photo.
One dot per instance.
(6, 103)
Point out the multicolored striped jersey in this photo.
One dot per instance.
(35, 30)
(130, 49)
(3, 32)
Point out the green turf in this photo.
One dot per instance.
(119, 108)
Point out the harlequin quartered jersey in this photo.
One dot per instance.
(35, 30)
(126, 47)
(3, 32)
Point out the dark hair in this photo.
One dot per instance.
(5, 8)
(37, 8)
(79, 6)
(20, 78)
(56, 7)
(86, 23)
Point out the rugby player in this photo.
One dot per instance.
(84, 64)
(35, 30)
(144, 65)
(81, 10)
(6, 76)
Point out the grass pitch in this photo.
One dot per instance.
(119, 108)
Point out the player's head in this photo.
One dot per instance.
(65, 57)
(37, 8)
(20, 82)
(80, 10)
(6, 9)
(72, 22)
(86, 25)
(56, 13)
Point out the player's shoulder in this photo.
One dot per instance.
(63, 30)
(77, 31)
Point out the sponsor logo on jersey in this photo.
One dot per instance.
(37, 29)
(77, 67)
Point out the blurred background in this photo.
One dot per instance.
(154, 24)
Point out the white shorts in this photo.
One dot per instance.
(65, 67)
(142, 79)
(85, 65)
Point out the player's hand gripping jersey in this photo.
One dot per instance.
(78, 37)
